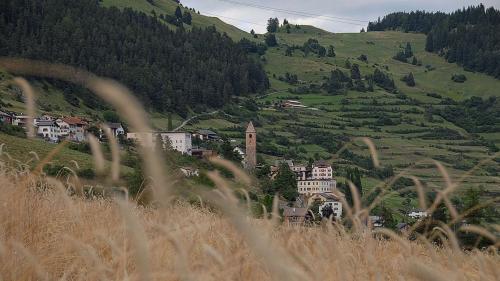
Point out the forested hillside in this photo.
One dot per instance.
(469, 37)
(169, 70)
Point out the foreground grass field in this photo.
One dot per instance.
(46, 235)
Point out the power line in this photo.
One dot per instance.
(298, 13)
(240, 20)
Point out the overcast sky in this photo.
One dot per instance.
(331, 15)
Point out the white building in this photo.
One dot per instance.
(179, 141)
(417, 214)
(20, 120)
(63, 127)
(314, 186)
(116, 129)
(321, 170)
(293, 104)
(190, 172)
(76, 128)
(48, 129)
(336, 208)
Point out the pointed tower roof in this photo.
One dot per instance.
(250, 128)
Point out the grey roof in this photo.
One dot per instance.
(401, 225)
(321, 163)
(295, 212)
(114, 125)
(45, 123)
(329, 196)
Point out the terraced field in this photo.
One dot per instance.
(406, 144)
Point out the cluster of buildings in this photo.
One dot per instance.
(55, 129)
(315, 184)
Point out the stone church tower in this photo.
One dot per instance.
(251, 147)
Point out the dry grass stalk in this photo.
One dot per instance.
(115, 153)
(30, 96)
(95, 148)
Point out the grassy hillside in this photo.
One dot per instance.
(169, 6)
(406, 144)
(19, 149)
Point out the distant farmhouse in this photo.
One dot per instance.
(206, 135)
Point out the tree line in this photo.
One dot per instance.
(469, 37)
(169, 70)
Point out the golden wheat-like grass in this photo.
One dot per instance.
(47, 235)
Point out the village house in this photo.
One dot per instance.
(76, 128)
(313, 186)
(5, 117)
(20, 120)
(240, 152)
(296, 216)
(190, 172)
(202, 153)
(63, 127)
(292, 104)
(47, 129)
(206, 135)
(336, 207)
(417, 214)
(322, 170)
(179, 141)
(376, 221)
(116, 129)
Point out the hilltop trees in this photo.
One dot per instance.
(469, 37)
(169, 70)
(273, 24)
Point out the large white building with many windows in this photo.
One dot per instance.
(179, 141)
(313, 186)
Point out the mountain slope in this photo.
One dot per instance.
(169, 6)
(406, 125)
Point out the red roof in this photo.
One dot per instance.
(74, 121)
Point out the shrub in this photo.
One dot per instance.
(458, 78)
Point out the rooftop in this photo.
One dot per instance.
(114, 125)
(74, 121)
(295, 212)
(250, 128)
(321, 163)
(45, 123)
